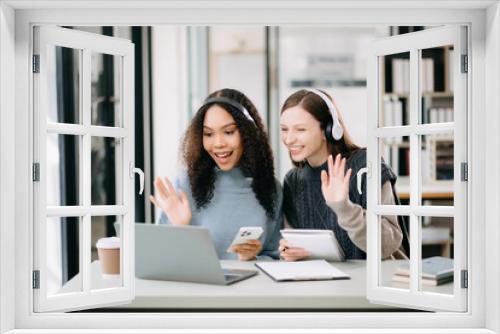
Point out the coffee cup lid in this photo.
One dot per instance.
(108, 243)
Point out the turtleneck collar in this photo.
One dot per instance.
(233, 179)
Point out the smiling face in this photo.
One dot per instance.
(221, 138)
(302, 135)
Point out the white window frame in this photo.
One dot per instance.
(17, 17)
(85, 44)
(413, 43)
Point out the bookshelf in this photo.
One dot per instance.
(437, 159)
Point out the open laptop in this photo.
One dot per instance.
(180, 253)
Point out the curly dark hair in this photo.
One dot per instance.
(256, 161)
(314, 104)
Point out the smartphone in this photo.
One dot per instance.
(245, 234)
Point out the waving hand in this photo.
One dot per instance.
(335, 183)
(175, 206)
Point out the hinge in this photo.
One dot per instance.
(464, 168)
(36, 172)
(464, 280)
(36, 63)
(369, 169)
(36, 279)
(465, 66)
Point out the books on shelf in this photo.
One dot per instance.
(440, 115)
(427, 75)
(401, 75)
(436, 270)
(425, 281)
(393, 111)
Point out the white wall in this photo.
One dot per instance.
(237, 60)
(492, 153)
(7, 167)
(298, 44)
(170, 114)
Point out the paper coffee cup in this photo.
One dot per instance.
(108, 251)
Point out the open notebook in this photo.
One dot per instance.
(301, 270)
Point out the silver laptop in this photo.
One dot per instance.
(180, 253)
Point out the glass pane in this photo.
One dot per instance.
(107, 83)
(436, 83)
(437, 254)
(63, 255)
(395, 154)
(107, 171)
(63, 74)
(62, 170)
(395, 273)
(105, 252)
(394, 91)
(437, 169)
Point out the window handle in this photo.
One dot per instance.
(359, 178)
(135, 170)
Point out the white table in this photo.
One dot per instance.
(260, 292)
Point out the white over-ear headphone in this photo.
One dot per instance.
(332, 131)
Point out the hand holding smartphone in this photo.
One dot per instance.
(246, 233)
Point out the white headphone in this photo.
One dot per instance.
(332, 131)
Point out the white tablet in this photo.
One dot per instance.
(322, 244)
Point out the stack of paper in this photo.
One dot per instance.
(435, 271)
(301, 270)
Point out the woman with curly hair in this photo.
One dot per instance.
(229, 178)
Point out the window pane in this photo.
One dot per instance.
(62, 170)
(394, 89)
(63, 70)
(63, 255)
(437, 169)
(395, 154)
(107, 83)
(395, 273)
(107, 171)
(436, 84)
(105, 252)
(437, 254)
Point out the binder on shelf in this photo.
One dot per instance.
(436, 270)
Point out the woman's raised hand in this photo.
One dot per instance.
(335, 183)
(175, 206)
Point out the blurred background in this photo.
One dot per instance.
(176, 67)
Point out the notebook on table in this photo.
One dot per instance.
(312, 270)
(321, 244)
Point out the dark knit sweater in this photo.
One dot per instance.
(304, 205)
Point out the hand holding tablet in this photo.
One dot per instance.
(320, 244)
